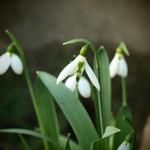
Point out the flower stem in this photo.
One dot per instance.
(98, 105)
(32, 94)
(20, 50)
(124, 92)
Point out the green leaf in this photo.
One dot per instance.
(76, 41)
(101, 143)
(67, 147)
(72, 109)
(73, 145)
(123, 125)
(24, 143)
(47, 113)
(27, 132)
(131, 137)
(101, 68)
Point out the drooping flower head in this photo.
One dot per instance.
(75, 69)
(118, 65)
(10, 59)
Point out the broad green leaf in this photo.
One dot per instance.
(130, 123)
(72, 109)
(131, 137)
(122, 124)
(47, 113)
(73, 145)
(27, 132)
(75, 41)
(101, 143)
(24, 143)
(101, 68)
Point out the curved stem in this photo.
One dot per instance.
(28, 80)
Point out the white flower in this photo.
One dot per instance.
(71, 83)
(10, 59)
(82, 85)
(118, 66)
(72, 69)
(124, 146)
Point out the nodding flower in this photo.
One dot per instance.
(10, 59)
(118, 65)
(76, 69)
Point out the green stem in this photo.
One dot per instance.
(98, 105)
(31, 90)
(124, 92)
(28, 80)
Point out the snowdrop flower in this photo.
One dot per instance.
(10, 59)
(77, 66)
(124, 146)
(82, 85)
(118, 66)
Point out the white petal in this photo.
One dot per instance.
(71, 83)
(84, 87)
(16, 64)
(113, 67)
(69, 69)
(124, 146)
(92, 76)
(4, 62)
(123, 68)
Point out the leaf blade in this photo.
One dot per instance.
(69, 104)
(26, 132)
(101, 67)
(101, 143)
(47, 114)
(122, 124)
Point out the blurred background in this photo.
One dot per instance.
(43, 25)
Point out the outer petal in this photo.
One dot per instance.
(84, 87)
(71, 83)
(92, 76)
(4, 62)
(123, 68)
(16, 64)
(69, 69)
(124, 146)
(114, 66)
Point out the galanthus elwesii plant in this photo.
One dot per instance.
(109, 131)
